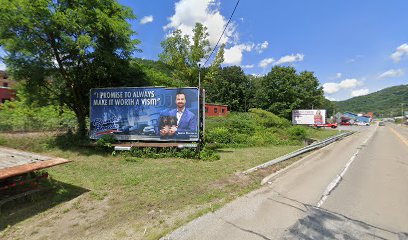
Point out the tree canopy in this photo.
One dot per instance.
(68, 47)
(184, 54)
(231, 87)
(283, 90)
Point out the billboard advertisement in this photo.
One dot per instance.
(314, 116)
(147, 114)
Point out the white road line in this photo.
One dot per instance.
(339, 177)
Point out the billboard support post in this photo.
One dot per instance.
(201, 129)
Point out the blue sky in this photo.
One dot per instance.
(353, 47)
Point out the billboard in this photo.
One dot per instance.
(147, 114)
(314, 116)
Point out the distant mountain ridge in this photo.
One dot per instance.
(384, 103)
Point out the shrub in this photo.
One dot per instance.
(241, 123)
(106, 141)
(19, 116)
(297, 133)
(209, 155)
(221, 135)
(268, 119)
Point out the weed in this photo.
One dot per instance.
(106, 141)
(98, 195)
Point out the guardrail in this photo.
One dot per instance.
(311, 147)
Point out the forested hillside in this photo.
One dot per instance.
(384, 103)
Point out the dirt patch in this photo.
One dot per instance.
(67, 219)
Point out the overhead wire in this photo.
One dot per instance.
(222, 34)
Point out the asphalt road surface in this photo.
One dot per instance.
(356, 188)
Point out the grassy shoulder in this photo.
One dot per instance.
(125, 196)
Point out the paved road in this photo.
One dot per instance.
(354, 189)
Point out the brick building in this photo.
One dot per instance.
(6, 91)
(215, 109)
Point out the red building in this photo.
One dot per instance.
(6, 93)
(215, 109)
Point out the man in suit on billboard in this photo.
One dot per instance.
(179, 120)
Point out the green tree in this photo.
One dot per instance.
(283, 90)
(157, 72)
(184, 54)
(231, 87)
(214, 69)
(68, 47)
(329, 106)
(25, 115)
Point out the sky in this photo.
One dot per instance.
(353, 47)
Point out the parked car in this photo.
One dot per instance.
(381, 123)
(149, 130)
(362, 124)
(138, 129)
(345, 123)
(330, 125)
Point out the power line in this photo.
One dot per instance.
(222, 34)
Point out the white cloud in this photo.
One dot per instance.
(338, 75)
(266, 62)
(352, 60)
(189, 12)
(248, 66)
(233, 55)
(391, 73)
(330, 88)
(401, 52)
(349, 83)
(261, 46)
(360, 92)
(146, 19)
(257, 75)
(290, 58)
(2, 66)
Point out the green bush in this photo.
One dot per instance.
(19, 116)
(263, 138)
(106, 141)
(297, 133)
(255, 128)
(241, 123)
(268, 119)
(209, 155)
(221, 135)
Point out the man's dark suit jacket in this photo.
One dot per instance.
(188, 121)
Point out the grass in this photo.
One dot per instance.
(320, 134)
(151, 196)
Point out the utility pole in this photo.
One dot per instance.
(199, 76)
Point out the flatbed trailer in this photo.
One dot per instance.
(18, 176)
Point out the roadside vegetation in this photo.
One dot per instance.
(144, 193)
(126, 195)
